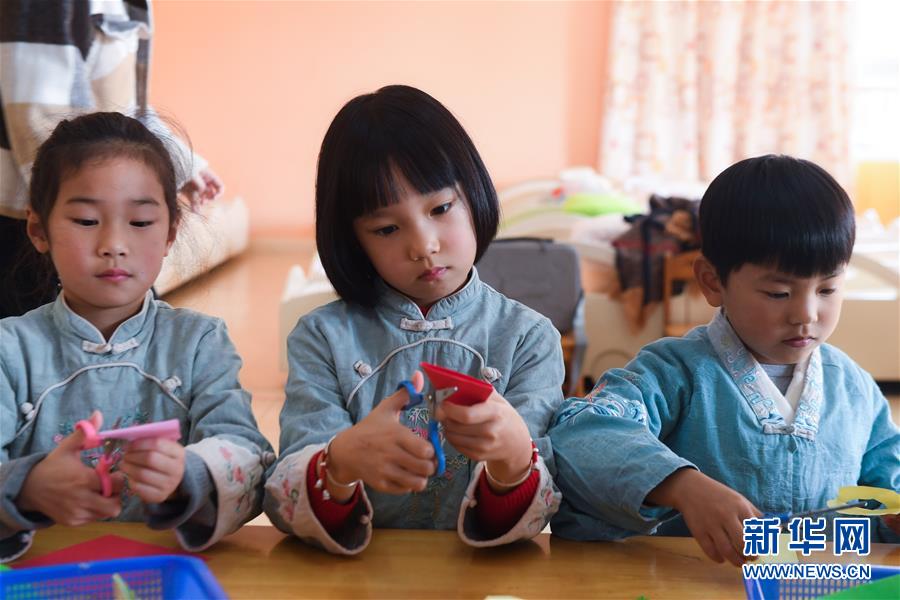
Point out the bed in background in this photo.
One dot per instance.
(205, 240)
(869, 329)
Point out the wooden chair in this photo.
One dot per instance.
(678, 270)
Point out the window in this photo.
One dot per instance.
(875, 134)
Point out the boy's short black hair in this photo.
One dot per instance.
(396, 129)
(778, 211)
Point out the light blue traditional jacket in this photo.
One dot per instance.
(345, 358)
(163, 363)
(704, 401)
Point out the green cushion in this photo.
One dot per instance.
(594, 205)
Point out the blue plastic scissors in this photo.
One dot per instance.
(431, 401)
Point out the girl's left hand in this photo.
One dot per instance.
(154, 467)
(492, 431)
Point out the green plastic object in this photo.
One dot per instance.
(4, 568)
(879, 589)
(594, 205)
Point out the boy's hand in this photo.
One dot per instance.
(154, 467)
(492, 431)
(65, 489)
(386, 455)
(713, 512)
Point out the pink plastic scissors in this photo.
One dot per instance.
(114, 438)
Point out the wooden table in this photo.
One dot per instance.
(261, 562)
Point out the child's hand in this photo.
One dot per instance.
(203, 188)
(893, 522)
(154, 467)
(387, 456)
(713, 512)
(492, 431)
(65, 489)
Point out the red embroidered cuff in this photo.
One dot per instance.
(496, 513)
(330, 514)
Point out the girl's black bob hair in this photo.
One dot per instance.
(777, 211)
(398, 129)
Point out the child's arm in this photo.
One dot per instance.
(499, 432)
(608, 450)
(713, 512)
(41, 489)
(381, 452)
(214, 485)
(385, 454)
(16, 529)
(881, 461)
(313, 411)
(618, 478)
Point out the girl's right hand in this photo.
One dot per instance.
(713, 512)
(382, 452)
(65, 489)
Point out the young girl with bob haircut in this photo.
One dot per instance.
(404, 208)
(104, 207)
(753, 413)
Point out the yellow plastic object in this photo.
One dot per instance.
(785, 554)
(889, 498)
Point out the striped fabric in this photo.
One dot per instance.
(62, 58)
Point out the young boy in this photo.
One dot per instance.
(751, 413)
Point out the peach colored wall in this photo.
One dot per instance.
(256, 83)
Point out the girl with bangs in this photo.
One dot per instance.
(404, 209)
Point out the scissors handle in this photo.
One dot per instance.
(91, 438)
(416, 398)
(104, 463)
(170, 430)
(435, 438)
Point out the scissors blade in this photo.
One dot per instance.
(111, 443)
(444, 393)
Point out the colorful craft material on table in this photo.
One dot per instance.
(889, 500)
(122, 591)
(141, 578)
(854, 500)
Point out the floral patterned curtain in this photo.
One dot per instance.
(696, 86)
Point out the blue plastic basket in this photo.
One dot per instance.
(799, 589)
(148, 577)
